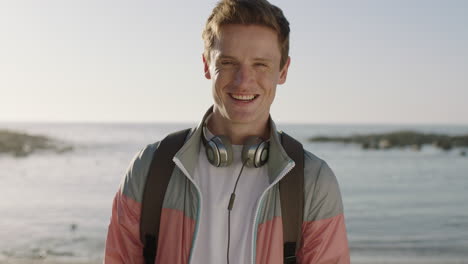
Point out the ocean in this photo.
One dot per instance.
(401, 205)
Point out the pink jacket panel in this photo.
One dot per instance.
(123, 243)
(270, 242)
(175, 237)
(324, 242)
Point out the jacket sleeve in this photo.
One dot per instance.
(123, 244)
(324, 239)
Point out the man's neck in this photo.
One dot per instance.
(238, 132)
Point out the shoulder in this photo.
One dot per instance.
(322, 192)
(316, 169)
(133, 183)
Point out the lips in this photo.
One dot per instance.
(243, 97)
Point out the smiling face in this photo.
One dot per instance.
(244, 67)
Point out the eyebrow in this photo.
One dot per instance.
(262, 59)
(223, 56)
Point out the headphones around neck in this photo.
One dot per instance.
(219, 151)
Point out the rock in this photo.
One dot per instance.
(416, 147)
(445, 145)
(399, 139)
(384, 144)
(21, 144)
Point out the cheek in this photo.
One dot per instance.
(273, 94)
(268, 80)
(222, 78)
(219, 84)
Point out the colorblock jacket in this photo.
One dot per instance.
(323, 240)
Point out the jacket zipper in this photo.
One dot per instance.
(200, 204)
(285, 171)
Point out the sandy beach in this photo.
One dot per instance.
(355, 260)
(47, 261)
(406, 260)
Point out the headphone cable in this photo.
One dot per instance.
(230, 206)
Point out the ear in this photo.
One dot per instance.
(284, 71)
(206, 68)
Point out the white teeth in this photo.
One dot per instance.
(243, 97)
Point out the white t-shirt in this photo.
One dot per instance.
(216, 186)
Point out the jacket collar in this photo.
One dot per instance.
(277, 157)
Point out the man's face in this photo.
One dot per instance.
(245, 69)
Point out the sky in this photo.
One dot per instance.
(360, 61)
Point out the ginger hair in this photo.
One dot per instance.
(247, 12)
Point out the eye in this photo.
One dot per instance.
(226, 63)
(260, 64)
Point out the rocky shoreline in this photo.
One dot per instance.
(401, 139)
(21, 144)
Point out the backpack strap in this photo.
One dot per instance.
(292, 199)
(155, 188)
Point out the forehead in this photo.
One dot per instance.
(246, 41)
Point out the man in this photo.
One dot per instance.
(246, 57)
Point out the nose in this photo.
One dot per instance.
(244, 77)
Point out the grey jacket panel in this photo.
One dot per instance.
(321, 190)
(181, 194)
(133, 184)
(271, 205)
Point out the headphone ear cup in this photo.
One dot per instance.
(255, 151)
(219, 151)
